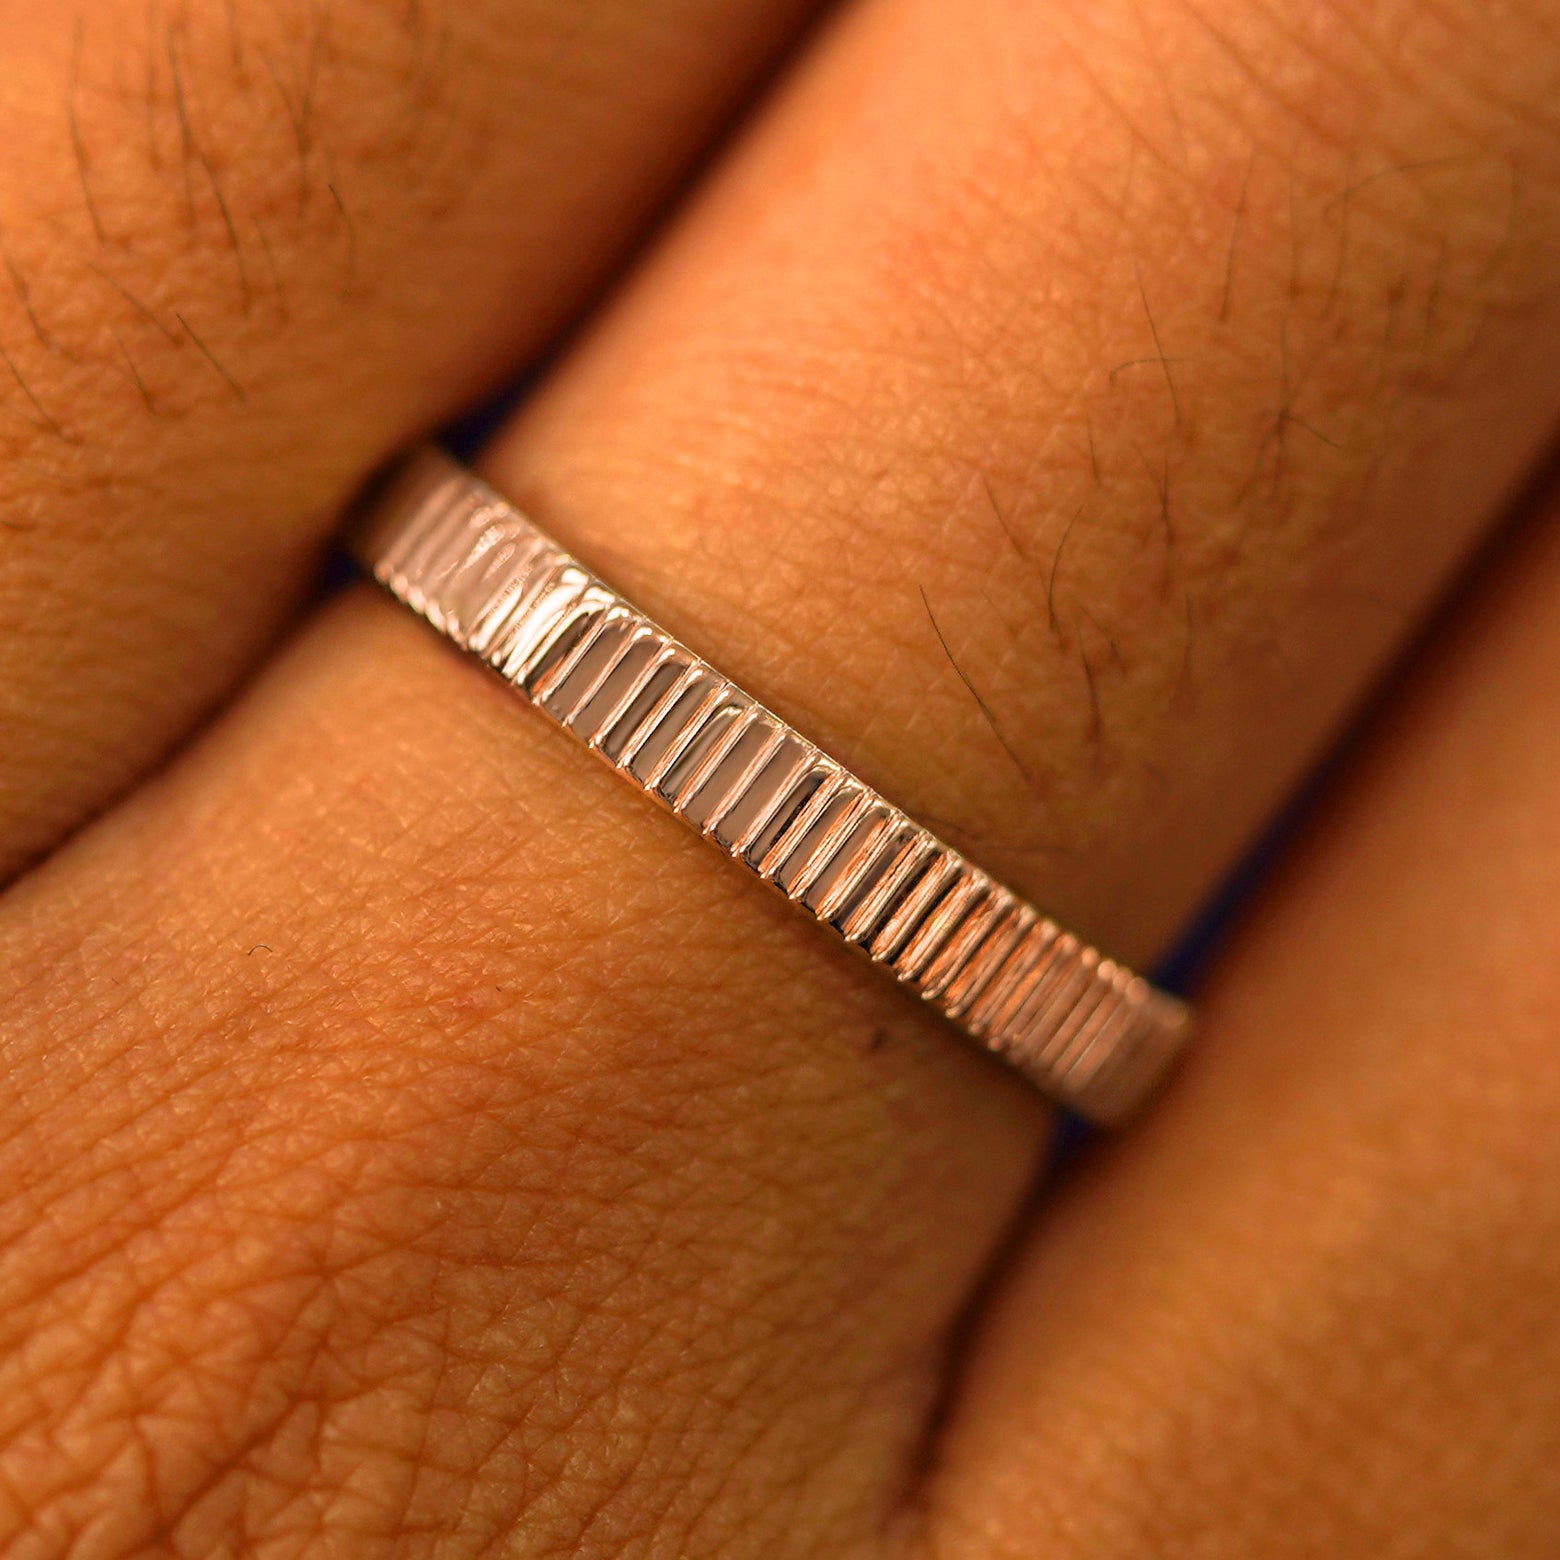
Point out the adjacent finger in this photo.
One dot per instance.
(245, 249)
(546, 1126)
(1312, 1309)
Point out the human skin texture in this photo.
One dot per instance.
(247, 249)
(413, 1144)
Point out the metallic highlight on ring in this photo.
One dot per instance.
(1088, 1032)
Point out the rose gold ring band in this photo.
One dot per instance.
(1091, 1034)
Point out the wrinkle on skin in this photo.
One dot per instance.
(351, 1040)
(478, 1131)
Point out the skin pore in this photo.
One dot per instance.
(410, 1143)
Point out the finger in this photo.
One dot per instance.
(499, 1168)
(245, 249)
(591, 1107)
(1110, 426)
(1312, 1309)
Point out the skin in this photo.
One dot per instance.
(298, 234)
(410, 1143)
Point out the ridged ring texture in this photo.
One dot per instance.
(1090, 1033)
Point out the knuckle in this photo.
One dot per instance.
(344, 1299)
(201, 1371)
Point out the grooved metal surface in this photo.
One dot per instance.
(1087, 1031)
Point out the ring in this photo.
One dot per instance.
(1091, 1034)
